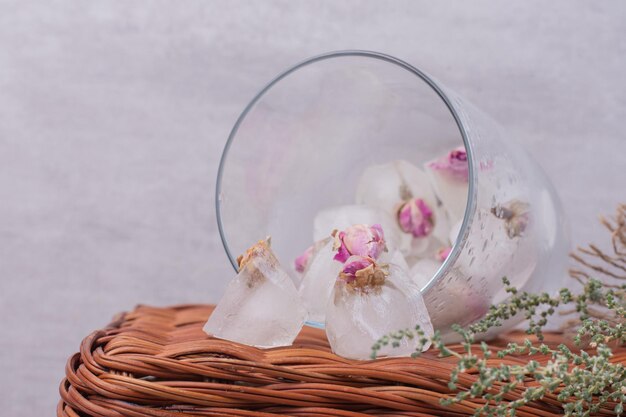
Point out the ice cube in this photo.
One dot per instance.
(386, 186)
(261, 306)
(449, 177)
(389, 187)
(317, 283)
(342, 217)
(356, 317)
(423, 270)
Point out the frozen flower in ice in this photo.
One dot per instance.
(362, 272)
(515, 214)
(416, 217)
(443, 253)
(360, 240)
(356, 317)
(357, 263)
(454, 164)
(404, 192)
(342, 217)
(302, 260)
(260, 306)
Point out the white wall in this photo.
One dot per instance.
(113, 116)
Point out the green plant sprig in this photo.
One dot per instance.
(584, 382)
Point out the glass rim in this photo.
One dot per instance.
(470, 204)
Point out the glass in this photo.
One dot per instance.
(303, 141)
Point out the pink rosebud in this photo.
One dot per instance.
(416, 217)
(360, 240)
(454, 164)
(361, 271)
(348, 273)
(443, 253)
(302, 261)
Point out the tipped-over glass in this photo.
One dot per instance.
(303, 143)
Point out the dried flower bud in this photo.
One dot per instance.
(416, 217)
(443, 253)
(302, 261)
(454, 164)
(259, 249)
(516, 216)
(359, 240)
(361, 271)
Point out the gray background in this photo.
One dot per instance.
(113, 116)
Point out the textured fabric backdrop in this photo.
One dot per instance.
(113, 116)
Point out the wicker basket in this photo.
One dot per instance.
(157, 362)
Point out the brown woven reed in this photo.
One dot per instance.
(157, 362)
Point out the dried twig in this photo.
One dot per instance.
(613, 264)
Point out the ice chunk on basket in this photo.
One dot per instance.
(371, 300)
(261, 306)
